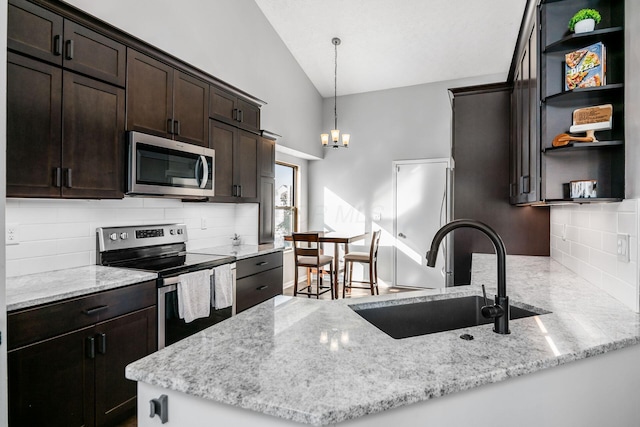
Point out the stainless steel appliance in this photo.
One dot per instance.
(162, 167)
(162, 249)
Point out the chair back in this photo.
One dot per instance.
(306, 245)
(375, 243)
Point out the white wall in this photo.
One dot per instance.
(58, 234)
(232, 40)
(348, 186)
(591, 249)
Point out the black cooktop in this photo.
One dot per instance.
(173, 265)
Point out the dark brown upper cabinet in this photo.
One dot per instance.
(236, 169)
(228, 108)
(166, 102)
(65, 133)
(40, 33)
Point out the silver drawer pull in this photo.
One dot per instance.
(262, 263)
(262, 288)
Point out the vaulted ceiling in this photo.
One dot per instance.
(396, 43)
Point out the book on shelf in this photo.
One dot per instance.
(585, 67)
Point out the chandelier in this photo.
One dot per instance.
(335, 133)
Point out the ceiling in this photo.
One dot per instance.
(396, 43)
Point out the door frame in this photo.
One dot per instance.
(448, 214)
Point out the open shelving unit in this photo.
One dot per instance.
(602, 160)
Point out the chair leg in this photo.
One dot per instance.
(344, 279)
(371, 278)
(295, 281)
(375, 271)
(334, 289)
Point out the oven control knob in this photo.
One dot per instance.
(113, 236)
(124, 236)
(172, 231)
(179, 230)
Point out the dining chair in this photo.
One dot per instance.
(307, 254)
(371, 259)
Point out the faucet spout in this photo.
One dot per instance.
(501, 300)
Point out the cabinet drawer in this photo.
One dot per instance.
(38, 323)
(260, 287)
(247, 267)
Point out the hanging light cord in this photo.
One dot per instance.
(335, 86)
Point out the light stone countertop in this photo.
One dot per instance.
(41, 288)
(318, 362)
(240, 252)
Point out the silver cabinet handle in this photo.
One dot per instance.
(402, 235)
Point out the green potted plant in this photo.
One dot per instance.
(584, 20)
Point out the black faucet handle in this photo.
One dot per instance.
(484, 294)
(490, 311)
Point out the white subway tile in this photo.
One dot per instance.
(556, 229)
(610, 243)
(606, 262)
(603, 221)
(627, 205)
(559, 214)
(580, 219)
(580, 251)
(633, 252)
(159, 202)
(627, 272)
(627, 223)
(571, 263)
(573, 234)
(620, 290)
(591, 238)
(590, 273)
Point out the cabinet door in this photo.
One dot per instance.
(119, 342)
(249, 116)
(149, 95)
(93, 54)
(222, 138)
(246, 163)
(267, 196)
(34, 106)
(51, 383)
(93, 138)
(222, 105)
(267, 158)
(191, 108)
(34, 31)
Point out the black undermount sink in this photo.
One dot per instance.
(428, 317)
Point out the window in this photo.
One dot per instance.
(286, 214)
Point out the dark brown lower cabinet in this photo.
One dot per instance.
(258, 279)
(76, 378)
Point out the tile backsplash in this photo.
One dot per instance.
(57, 234)
(584, 239)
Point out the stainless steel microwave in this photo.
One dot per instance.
(162, 167)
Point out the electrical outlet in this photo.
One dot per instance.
(11, 234)
(203, 223)
(377, 216)
(623, 247)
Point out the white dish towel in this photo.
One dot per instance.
(194, 294)
(223, 287)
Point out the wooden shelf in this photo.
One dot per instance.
(577, 93)
(583, 200)
(574, 41)
(584, 146)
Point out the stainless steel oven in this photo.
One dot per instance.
(161, 167)
(162, 249)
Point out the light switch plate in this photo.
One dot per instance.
(622, 247)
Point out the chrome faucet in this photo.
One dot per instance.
(500, 310)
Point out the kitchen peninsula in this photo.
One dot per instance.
(318, 362)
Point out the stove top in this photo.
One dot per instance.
(157, 248)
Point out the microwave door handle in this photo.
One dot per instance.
(205, 172)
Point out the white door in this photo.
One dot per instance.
(421, 208)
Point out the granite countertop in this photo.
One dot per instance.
(318, 362)
(41, 288)
(240, 252)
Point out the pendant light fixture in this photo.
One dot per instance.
(335, 133)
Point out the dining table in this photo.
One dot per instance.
(337, 238)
